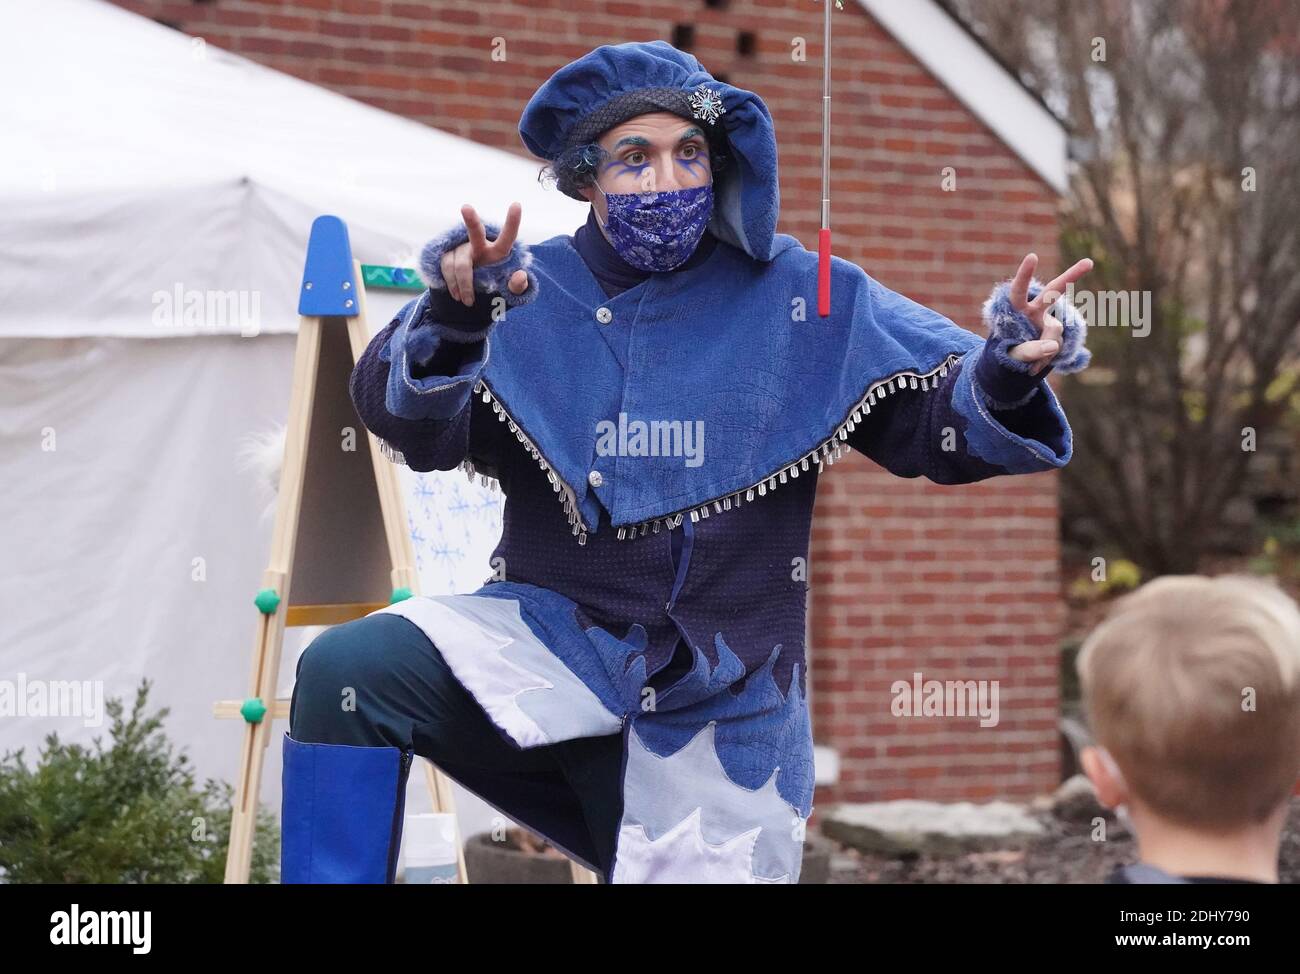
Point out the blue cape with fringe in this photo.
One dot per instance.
(733, 347)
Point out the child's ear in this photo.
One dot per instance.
(1110, 788)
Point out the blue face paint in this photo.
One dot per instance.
(658, 231)
(695, 165)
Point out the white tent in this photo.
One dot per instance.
(142, 167)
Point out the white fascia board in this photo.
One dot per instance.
(976, 79)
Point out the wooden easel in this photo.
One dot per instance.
(338, 513)
(327, 519)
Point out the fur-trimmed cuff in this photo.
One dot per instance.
(492, 279)
(1005, 322)
(1039, 442)
(1006, 382)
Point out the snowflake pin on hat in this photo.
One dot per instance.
(706, 104)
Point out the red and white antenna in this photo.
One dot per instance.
(824, 234)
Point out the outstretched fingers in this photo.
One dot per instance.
(477, 235)
(1019, 293)
(1056, 287)
(499, 249)
(485, 251)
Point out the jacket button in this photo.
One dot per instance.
(604, 315)
(595, 479)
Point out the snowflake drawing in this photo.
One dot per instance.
(453, 527)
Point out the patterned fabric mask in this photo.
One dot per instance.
(658, 231)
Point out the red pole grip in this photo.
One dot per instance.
(824, 270)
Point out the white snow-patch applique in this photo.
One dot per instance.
(684, 820)
(494, 681)
(683, 855)
(498, 659)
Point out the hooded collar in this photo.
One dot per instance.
(746, 190)
(614, 274)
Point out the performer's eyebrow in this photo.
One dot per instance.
(632, 140)
(690, 134)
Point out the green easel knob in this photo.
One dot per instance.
(268, 600)
(400, 595)
(253, 710)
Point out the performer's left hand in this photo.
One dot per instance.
(1044, 349)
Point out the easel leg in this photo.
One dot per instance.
(270, 634)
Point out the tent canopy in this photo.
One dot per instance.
(141, 164)
(137, 163)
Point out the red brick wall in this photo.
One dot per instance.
(957, 582)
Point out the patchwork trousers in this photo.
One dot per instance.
(380, 683)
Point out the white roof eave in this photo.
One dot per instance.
(976, 79)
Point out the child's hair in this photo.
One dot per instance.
(1193, 685)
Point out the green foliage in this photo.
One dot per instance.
(1279, 552)
(128, 813)
(1121, 575)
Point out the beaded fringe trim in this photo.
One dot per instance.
(822, 455)
(565, 492)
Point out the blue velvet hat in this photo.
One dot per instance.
(619, 81)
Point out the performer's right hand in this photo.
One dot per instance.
(458, 264)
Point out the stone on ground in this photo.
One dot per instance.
(910, 826)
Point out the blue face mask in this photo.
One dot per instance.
(658, 231)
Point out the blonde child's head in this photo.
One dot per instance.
(1192, 684)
